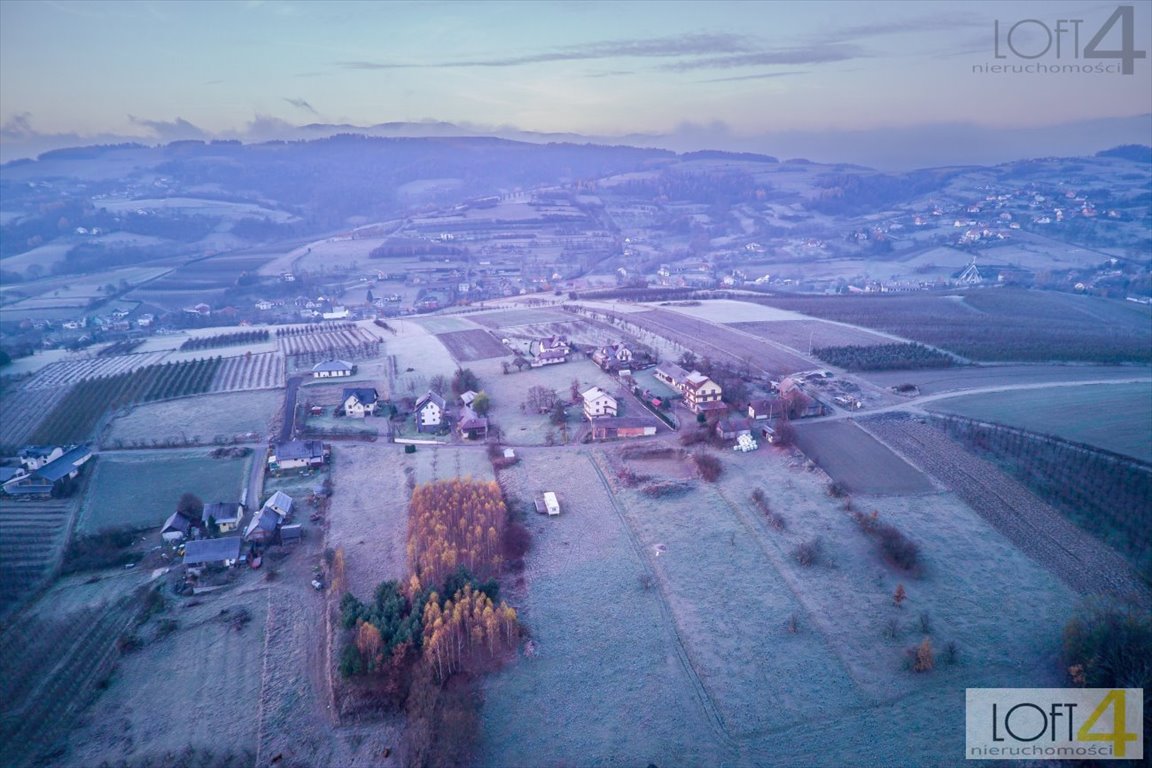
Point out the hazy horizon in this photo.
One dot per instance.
(891, 81)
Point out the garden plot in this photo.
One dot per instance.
(1115, 417)
(442, 324)
(141, 488)
(602, 644)
(474, 344)
(207, 418)
(416, 349)
(858, 461)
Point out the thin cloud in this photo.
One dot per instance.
(817, 54)
(697, 44)
(760, 76)
(171, 130)
(302, 104)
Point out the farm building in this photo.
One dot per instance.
(227, 515)
(701, 394)
(608, 427)
(280, 503)
(332, 369)
(801, 405)
(766, 408)
(48, 478)
(263, 527)
(732, 428)
(471, 425)
(359, 402)
(32, 457)
(429, 412)
(176, 528)
(597, 403)
(672, 375)
(297, 454)
(290, 534)
(224, 551)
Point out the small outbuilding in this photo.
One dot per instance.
(224, 551)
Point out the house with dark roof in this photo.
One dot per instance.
(176, 528)
(297, 454)
(359, 402)
(471, 425)
(608, 427)
(262, 529)
(223, 551)
(332, 369)
(767, 408)
(227, 515)
(430, 412)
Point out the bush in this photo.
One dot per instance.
(923, 658)
(898, 548)
(517, 541)
(708, 466)
(667, 489)
(775, 519)
(809, 553)
(1107, 646)
(105, 549)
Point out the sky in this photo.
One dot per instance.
(93, 71)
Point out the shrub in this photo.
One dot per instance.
(1106, 646)
(951, 653)
(923, 657)
(898, 548)
(708, 466)
(809, 553)
(517, 541)
(775, 519)
(667, 489)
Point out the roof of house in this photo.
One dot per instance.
(66, 464)
(221, 510)
(265, 520)
(695, 380)
(30, 488)
(365, 395)
(468, 397)
(430, 397)
(767, 404)
(469, 419)
(713, 405)
(7, 473)
(733, 425)
(176, 522)
(291, 532)
(299, 449)
(672, 371)
(212, 550)
(332, 365)
(551, 354)
(594, 393)
(280, 500)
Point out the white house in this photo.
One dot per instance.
(32, 457)
(597, 402)
(359, 402)
(429, 412)
(701, 393)
(227, 515)
(331, 369)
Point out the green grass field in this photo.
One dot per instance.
(141, 488)
(1116, 417)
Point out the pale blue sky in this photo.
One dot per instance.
(135, 68)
